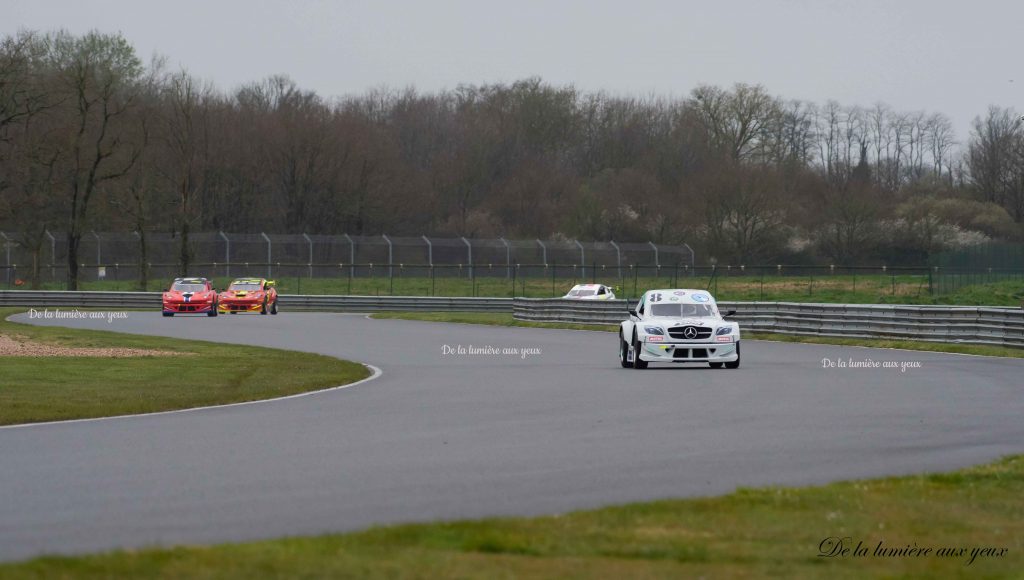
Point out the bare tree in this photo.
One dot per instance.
(995, 159)
(97, 76)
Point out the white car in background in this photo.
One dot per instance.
(678, 326)
(590, 292)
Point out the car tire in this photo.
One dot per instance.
(736, 363)
(273, 309)
(263, 310)
(168, 313)
(637, 363)
(212, 312)
(715, 365)
(624, 353)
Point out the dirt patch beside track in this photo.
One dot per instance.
(18, 346)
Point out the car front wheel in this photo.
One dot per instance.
(637, 363)
(624, 353)
(736, 363)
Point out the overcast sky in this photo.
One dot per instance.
(953, 57)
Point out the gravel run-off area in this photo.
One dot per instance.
(18, 346)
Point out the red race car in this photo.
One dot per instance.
(191, 296)
(249, 295)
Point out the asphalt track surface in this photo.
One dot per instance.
(463, 436)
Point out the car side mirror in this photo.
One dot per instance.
(729, 313)
(632, 312)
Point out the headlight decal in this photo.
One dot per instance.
(656, 330)
(724, 330)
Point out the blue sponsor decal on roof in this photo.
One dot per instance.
(700, 297)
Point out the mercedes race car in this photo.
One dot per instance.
(190, 296)
(590, 292)
(678, 326)
(249, 295)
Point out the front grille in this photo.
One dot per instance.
(703, 333)
(692, 353)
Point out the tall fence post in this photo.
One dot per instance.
(310, 263)
(269, 254)
(508, 259)
(99, 256)
(693, 258)
(7, 247)
(391, 258)
(53, 255)
(351, 260)
(618, 258)
(469, 249)
(227, 253)
(544, 253)
(430, 252)
(657, 264)
(583, 260)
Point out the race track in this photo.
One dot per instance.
(464, 436)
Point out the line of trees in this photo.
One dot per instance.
(92, 137)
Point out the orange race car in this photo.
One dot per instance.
(249, 295)
(190, 296)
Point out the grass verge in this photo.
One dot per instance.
(762, 532)
(505, 319)
(58, 388)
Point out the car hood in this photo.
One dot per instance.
(670, 321)
(180, 294)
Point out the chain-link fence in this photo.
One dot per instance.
(428, 266)
(108, 257)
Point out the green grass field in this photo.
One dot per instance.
(861, 289)
(764, 532)
(56, 388)
(506, 319)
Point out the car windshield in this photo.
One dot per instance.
(245, 286)
(587, 292)
(188, 287)
(681, 310)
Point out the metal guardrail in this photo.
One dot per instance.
(294, 302)
(949, 324)
(307, 303)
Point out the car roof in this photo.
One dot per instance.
(191, 280)
(247, 280)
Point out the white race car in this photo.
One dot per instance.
(678, 326)
(590, 292)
